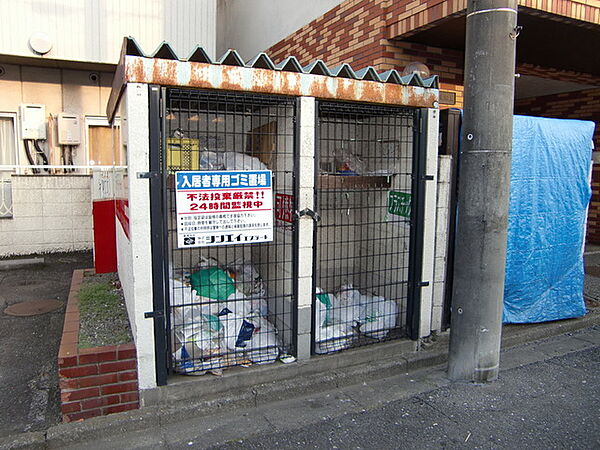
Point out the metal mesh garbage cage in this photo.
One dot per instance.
(365, 199)
(228, 162)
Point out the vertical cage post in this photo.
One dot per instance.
(417, 224)
(305, 218)
(157, 236)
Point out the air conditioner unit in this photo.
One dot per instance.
(33, 121)
(69, 130)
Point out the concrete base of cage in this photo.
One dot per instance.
(279, 381)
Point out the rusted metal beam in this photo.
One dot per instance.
(175, 73)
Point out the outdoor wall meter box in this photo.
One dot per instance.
(33, 121)
(69, 130)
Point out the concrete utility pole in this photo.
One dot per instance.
(483, 191)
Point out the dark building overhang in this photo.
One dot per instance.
(546, 40)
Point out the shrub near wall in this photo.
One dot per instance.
(93, 381)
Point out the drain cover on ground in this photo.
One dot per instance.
(33, 308)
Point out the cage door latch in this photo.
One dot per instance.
(310, 213)
(148, 174)
(154, 314)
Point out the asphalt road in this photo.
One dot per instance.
(29, 394)
(551, 403)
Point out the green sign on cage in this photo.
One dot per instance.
(399, 203)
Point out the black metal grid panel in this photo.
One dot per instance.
(364, 197)
(243, 309)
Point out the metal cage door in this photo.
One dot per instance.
(368, 198)
(230, 237)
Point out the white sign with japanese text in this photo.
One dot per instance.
(224, 207)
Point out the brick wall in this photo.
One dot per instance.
(93, 381)
(584, 105)
(446, 63)
(593, 224)
(350, 32)
(354, 32)
(362, 33)
(406, 16)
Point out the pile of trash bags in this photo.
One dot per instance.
(219, 318)
(349, 313)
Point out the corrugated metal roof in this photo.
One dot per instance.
(290, 64)
(229, 72)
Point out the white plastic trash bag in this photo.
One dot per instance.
(181, 293)
(332, 338)
(188, 364)
(264, 346)
(249, 282)
(258, 304)
(350, 306)
(323, 313)
(241, 161)
(374, 315)
(380, 317)
(237, 304)
(197, 338)
(247, 279)
(211, 160)
(237, 331)
(330, 335)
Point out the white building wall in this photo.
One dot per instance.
(50, 214)
(92, 30)
(40, 201)
(252, 26)
(59, 90)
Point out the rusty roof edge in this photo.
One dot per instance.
(118, 84)
(226, 77)
(262, 60)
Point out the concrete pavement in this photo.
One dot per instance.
(546, 397)
(549, 403)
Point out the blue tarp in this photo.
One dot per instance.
(549, 194)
